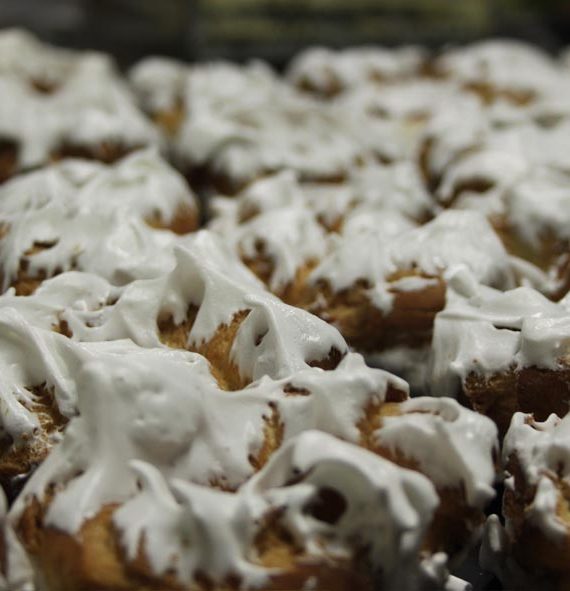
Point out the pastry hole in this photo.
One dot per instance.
(328, 505)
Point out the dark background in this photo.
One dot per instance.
(276, 29)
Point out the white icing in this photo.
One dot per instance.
(396, 117)
(158, 83)
(384, 199)
(69, 291)
(542, 451)
(441, 428)
(90, 105)
(208, 276)
(454, 129)
(322, 67)
(538, 206)
(291, 238)
(500, 169)
(451, 239)
(502, 63)
(247, 137)
(96, 217)
(488, 332)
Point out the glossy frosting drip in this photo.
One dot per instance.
(92, 217)
(212, 436)
(73, 291)
(497, 156)
(33, 357)
(274, 339)
(462, 125)
(480, 180)
(395, 187)
(84, 102)
(429, 428)
(125, 401)
(244, 122)
(485, 331)
(289, 237)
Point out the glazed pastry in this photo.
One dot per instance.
(38, 391)
(453, 131)
(531, 550)
(383, 293)
(71, 291)
(279, 226)
(226, 146)
(58, 103)
(172, 92)
(298, 523)
(141, 393)
(396, 117)
(396, 187)
(500, 69)
(501, 352)
(233, 124)
(326, 73)
(79, 215)
(211, 304)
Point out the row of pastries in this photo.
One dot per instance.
(283, 331)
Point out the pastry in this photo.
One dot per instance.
(89, 217)
(501, 352)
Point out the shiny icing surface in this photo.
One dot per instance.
(485, 331)
(85, 103)
(357, 167)
(124, 402)
(453, 238)
(274, 339)
(91, 217)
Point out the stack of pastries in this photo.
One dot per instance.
(284, 331)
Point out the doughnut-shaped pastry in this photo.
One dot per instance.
(211, 304)
(500, 69)
(502, 352)
(58, 103)
(327, 73)
(172, 92)
(322, 513)
(90, 217)
(209, 443)
(383, 293)
(531, 550)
